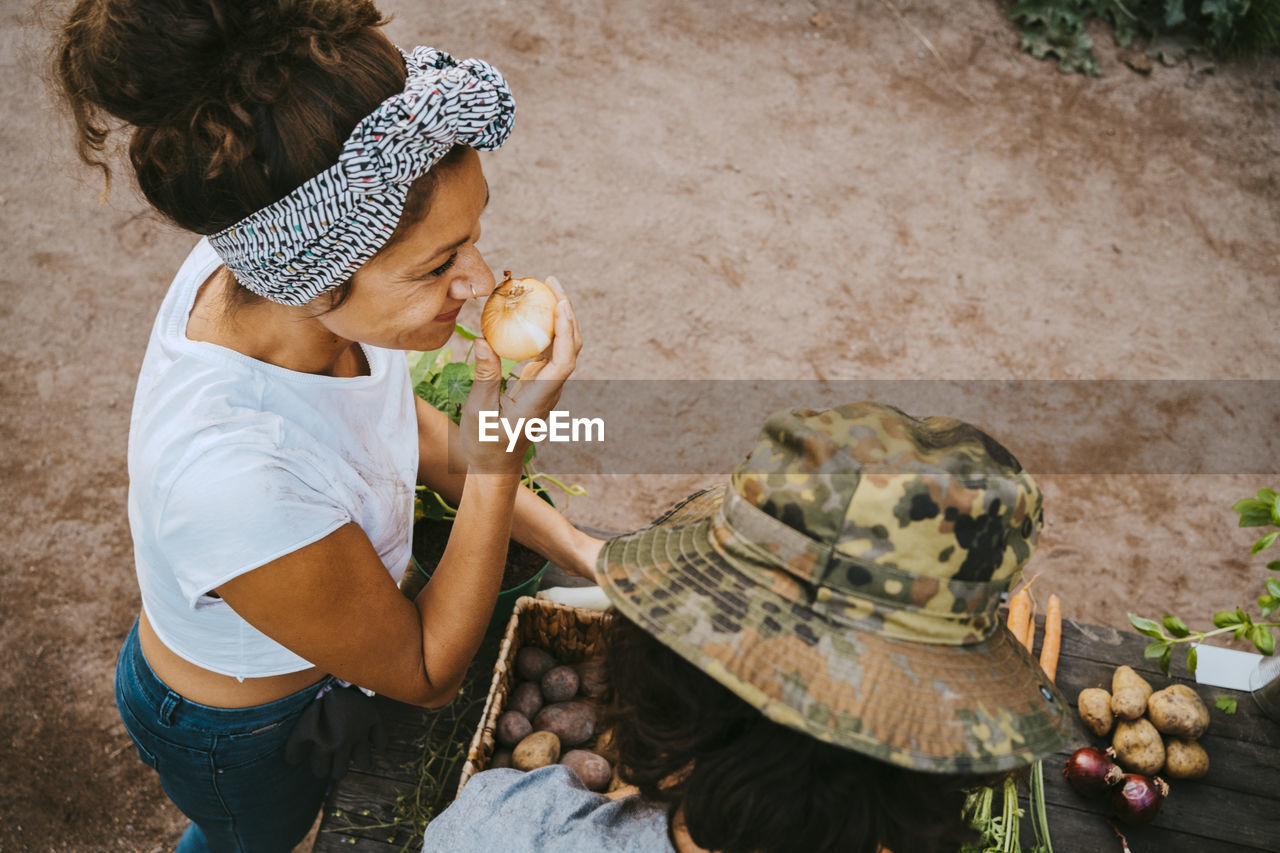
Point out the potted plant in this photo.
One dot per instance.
(1260, 511)
(444, 383)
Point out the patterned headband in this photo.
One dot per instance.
(317, 236)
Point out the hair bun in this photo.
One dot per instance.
(261, 43)
(149, 62)
(232, 103)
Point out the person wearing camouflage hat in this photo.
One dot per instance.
(806, 658)
(845, 582)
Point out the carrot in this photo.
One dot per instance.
(1019, 615)
(1052, 637)
(1029, 638)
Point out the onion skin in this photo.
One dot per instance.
(1091, 772)
(518, 320)
(1136, 800)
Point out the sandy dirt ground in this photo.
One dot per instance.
(783, 190)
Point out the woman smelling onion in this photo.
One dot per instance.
(333, 190)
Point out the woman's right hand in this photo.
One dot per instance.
(533, 396)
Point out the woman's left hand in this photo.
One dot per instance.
(584, 551)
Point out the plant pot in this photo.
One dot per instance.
(507, 599)
(1264, 683)
(429, 536)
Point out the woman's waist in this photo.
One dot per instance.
(206, 687)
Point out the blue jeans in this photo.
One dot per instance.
(223, 767)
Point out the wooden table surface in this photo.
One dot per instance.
(1235, 808)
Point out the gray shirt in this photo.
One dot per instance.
(541, 811)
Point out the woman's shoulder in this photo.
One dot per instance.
(547, 809)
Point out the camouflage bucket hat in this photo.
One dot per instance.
(845, 582)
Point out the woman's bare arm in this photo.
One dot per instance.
(334, 603)
(536, 524)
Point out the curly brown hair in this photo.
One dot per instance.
(232, 105)
(749, 785)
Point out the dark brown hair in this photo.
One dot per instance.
(232, 105)
(749, 785)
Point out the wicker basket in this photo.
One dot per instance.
(572, 634)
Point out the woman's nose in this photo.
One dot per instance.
(475, 279)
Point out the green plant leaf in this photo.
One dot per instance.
(464, 333)
(1274, 565)
(1268, 604)
(456, 379)
(1273, 586)
(1251, 505)
(1265, 542)
(1193, 659)
(1049, 28)
(423, 365)
(433, 394)
(1173, 13)
(1176, 626)
(1226, 704)
(1225, 618)
(1263, 639)
(1147, 627)
(1255, 518)
(1267, 496)
(434, 506)
(1155, 650)
(1165, 659)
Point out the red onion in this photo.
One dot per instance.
(1091, 771)
(1137, 799)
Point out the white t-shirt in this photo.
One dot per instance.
(234, 462)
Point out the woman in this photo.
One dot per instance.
(806, 659)
(275, 440)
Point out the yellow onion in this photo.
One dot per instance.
(519, 317)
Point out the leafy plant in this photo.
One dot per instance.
(1172, 28)
(1262, 511)
(1000, 833)
(445, 384)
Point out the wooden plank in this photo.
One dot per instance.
(364, 809)
(1243, 748)
(1076, 830)
(1090, 654)
(361, 815)
(1235, 809)
(1246, 818)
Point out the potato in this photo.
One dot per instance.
(1129, 692)
(1177, 710)
(592, 769)
(532, 662)
(1094, 705)
(537, 750)
(501, 758)
(572, 722)
(1138, 746)
(1185, 759)
(512, 728)
(559, 684)
(593, 677)
(526, 698)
